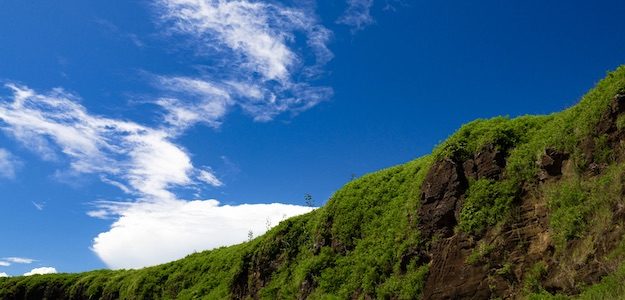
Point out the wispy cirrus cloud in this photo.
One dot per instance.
(144, 158)
(115, 31)
(8, 164)
(190, 101)
(259, 46)
(7, 261)
(39, 205)
(256, 35)
(19, 260)
(357, 15)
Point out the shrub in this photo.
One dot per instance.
(487, 202)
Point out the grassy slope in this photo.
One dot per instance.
(365, 240)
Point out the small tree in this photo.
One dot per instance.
(250, 235)
(268, 224)
(308, 199)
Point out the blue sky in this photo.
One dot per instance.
(134, 133)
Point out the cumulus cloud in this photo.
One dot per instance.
(357, 15)
(41, 271)
(2, 274)
(8, 164)
(152, 233)
(255, 43)
(4, 263)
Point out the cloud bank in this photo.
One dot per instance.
(160, 232)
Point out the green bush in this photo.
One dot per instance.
(568, 206)
(487, 202)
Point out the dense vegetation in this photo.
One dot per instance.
(366, 241)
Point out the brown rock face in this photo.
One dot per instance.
(442, 188)
(525, 240)
(445, 185)
(451, 277)
(490, 163)
(443, 194)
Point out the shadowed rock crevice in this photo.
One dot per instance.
(551, 164)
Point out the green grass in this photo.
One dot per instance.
(371, 221)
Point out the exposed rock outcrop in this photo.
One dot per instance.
(443, 188)
(488, 163)
(525, 240)
(551, 163)
(451, 277)
(443, 194)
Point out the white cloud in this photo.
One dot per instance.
(8, 164)
(257, 31)
(4, 263)
(357, 15)
(261, 65)
(143, 158)
(39, 205)
(204, 102)
(2, 274)
(19, 260)
(41, 271)
(151, 233)
(208, 177)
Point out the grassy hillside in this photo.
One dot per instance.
(533, 208)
